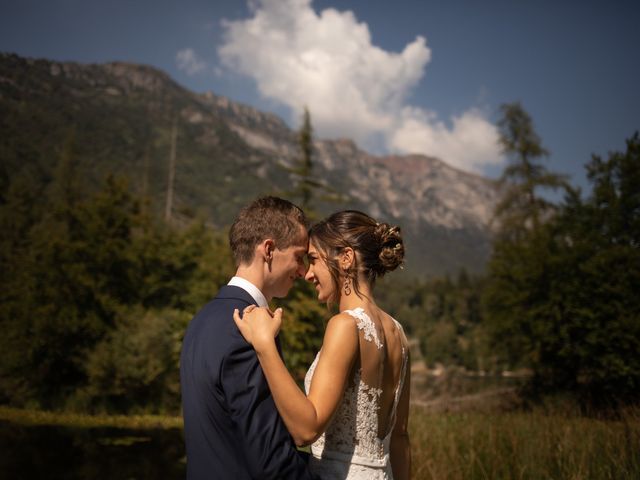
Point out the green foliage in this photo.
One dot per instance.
(444, 315)
(563, 298)
(303, 328)
(181, 269)
(308, 191)
(518, 282)
(135, 366)
(57, 306)
(521, 207)
(303, 171)
(78, 268)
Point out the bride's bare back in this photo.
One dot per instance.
(390, 359)
(360, 430)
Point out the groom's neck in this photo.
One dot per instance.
(253, 274)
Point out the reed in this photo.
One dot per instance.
(524, 445)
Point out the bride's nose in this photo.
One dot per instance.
(309, 275)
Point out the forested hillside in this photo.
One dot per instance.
(210, 156)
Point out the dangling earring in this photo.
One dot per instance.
(347, 285)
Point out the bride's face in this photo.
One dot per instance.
(318, 273)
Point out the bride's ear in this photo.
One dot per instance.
(347, 257)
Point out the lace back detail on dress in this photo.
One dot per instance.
(352, 435)
(366, 325)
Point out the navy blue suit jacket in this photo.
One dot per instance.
(231, 426)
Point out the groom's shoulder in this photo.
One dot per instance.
(233, 293)
(212, 332)
(228, 297)
(218, 312)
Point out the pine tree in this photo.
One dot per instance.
(307, 189)
(521, 207)
(516, 285)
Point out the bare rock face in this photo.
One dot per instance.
(417, 188)
(414, 187)
(445, 212)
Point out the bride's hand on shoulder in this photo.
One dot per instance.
(258, 325)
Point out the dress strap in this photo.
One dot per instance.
(399, 387)
(364, 323)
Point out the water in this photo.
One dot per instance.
(90, 453)
(36, 452)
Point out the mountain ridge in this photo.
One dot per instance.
(229, 152)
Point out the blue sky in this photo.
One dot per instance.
(398, 76)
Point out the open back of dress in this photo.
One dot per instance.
(356, 443)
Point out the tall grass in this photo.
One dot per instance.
(524, 445)
(466, 445)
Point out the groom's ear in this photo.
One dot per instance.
(266, 249)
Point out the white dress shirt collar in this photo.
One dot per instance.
(251, 289)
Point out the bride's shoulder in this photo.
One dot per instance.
(341, 324)
(342, 320)
(340, 336)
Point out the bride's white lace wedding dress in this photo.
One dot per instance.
(353, 446)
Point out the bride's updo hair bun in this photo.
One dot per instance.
(378, 246)
(391, 247)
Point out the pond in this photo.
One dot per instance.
(55, 452)
(90, 453)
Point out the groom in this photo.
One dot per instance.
(231, 426)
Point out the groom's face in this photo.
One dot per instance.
(288, 265)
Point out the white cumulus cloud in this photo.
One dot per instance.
(470, 144)
(352, 88)
(189, 62)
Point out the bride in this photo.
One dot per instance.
(356, 407)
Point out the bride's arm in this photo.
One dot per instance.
(305, 417)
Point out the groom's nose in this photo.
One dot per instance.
(301, 271)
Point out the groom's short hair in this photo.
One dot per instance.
(266, 217)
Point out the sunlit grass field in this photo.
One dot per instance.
(524, 445)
